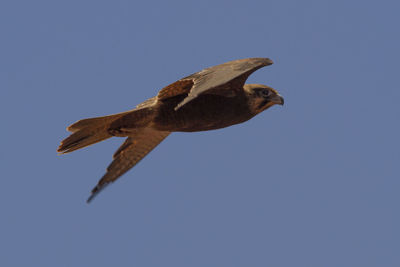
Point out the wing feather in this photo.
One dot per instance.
(128, 155)
(221, 79)
(236, 71)
(177, 88)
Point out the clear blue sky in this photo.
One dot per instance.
(313, 183)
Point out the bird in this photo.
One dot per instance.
(213, 98)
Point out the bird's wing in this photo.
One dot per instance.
(220, 79)
(128, 155)
(180, 87)
(147, 103)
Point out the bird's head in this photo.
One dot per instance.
(261, 97)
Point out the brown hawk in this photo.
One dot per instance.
(213, 98)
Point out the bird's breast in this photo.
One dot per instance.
(206, 112)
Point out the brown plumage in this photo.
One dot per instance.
(213, 98)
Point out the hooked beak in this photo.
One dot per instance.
(277, 99)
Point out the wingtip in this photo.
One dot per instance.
(270, 61)
(93, 194)
(95, 191)
(177, 107)
(267, 61)
(186, 100)
(91, 197)
(180, 105)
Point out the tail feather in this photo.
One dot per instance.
(87, 132)
(81, 124)
(83, 138)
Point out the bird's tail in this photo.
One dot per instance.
(87, 132)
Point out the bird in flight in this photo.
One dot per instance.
(213, 98)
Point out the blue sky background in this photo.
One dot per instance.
(313, 183)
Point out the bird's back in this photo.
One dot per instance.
(206, 112)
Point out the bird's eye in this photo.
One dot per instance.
(265, 93)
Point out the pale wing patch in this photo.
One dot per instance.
(228, 76)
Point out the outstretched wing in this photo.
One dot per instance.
(222, 79)
(128, 155)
